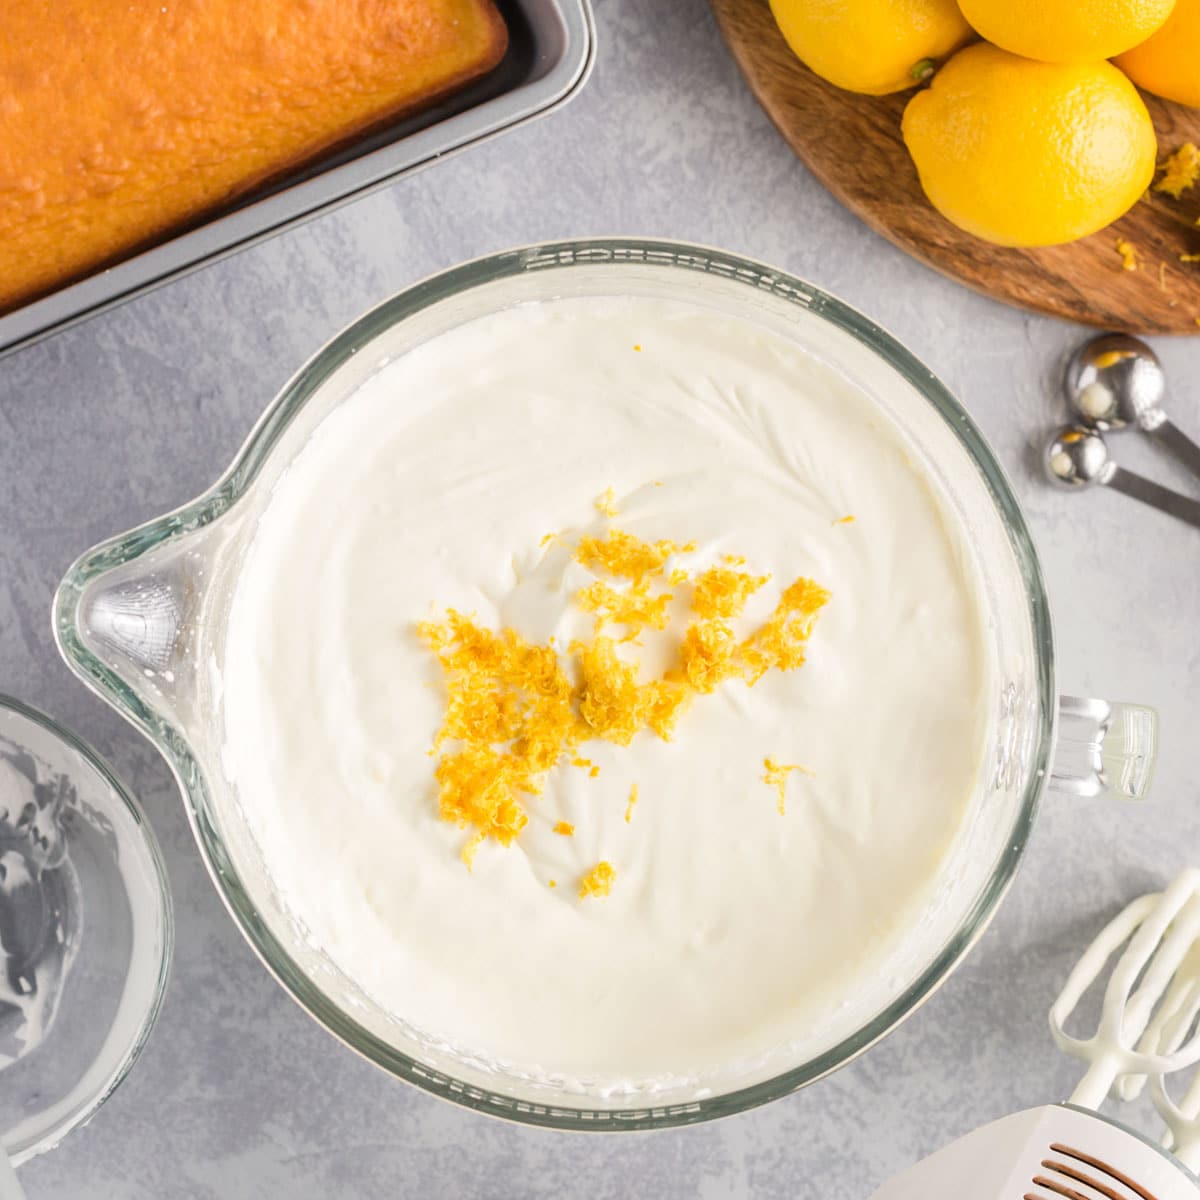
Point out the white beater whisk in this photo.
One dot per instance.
(1146, 1030)
(1147, 982)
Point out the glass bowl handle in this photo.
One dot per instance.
(1104, 749)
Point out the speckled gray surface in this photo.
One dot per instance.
(239, 1094)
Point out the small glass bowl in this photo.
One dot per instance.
(85, 931)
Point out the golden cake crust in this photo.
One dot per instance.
(125, 120)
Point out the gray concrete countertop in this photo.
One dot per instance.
(239, 1094)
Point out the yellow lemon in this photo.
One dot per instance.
(1066, 30)
(1027, 153)
(872, 46)
(1169, 63)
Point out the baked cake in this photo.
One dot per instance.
(122, 121)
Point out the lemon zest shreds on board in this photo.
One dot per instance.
(633, 799)
(565, 828)
(1129, 254)
(777, 776)
(552, 883)
(1189, 258)
(607, 503)
(515, 709)
(723, 592)
(1180, 171)
(598, 881)
(848, 519)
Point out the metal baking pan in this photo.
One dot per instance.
(550, 53)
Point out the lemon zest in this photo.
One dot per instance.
(723, 592)
(708, 656)
(624, 556)
(472, 845)
(635, 608)
(514, 709)
(780, 642)
(607, 503)
(1180, 171)
(633, 799)
(1129, 254)
(598, 881)
(777, 776)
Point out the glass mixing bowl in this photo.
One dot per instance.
(85, 932)
(141, 618)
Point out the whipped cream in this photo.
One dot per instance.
(730, 930)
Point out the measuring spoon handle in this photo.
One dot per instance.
(1154, 494)
(1179, 444)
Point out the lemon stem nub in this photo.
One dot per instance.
(923, 69)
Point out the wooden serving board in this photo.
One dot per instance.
(852, 144)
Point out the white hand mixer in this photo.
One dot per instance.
(1146, 1031)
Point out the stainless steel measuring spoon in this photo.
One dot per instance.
(1077, 457)
(1116, 382)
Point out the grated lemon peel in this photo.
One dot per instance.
(598, 881)
(723, 592)
(777, 776)
(514, 709)
(1180, 171)
(607, 504)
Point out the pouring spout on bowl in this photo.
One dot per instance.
(127, 613)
